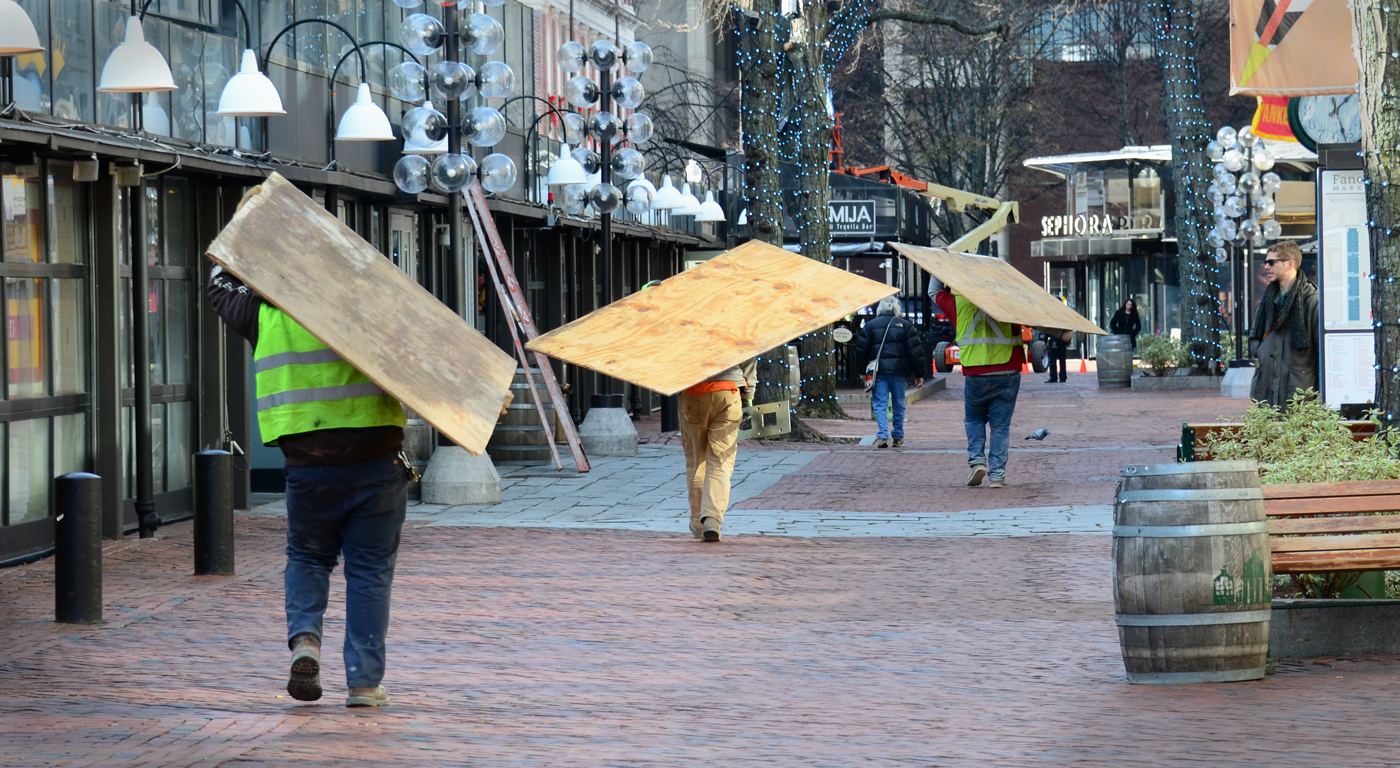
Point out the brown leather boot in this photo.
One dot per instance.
(709, 529)
(305, 681)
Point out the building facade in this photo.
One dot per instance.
(70, 227)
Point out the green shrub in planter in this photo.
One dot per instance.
(1160, 352)
(1307, 443)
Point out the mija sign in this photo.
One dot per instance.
(1057, 226)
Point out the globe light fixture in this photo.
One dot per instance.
(424, 130)
(637, 199)
(637, 56)
(495, 80)
(135, 66)
(17, 34)
(406, 81)
(484, 127)
(572, 56)
(565, 171)
(710, 210)
(422, 34)
(411, 173)
(249, 93)
(364, 120)
(497, 173)
(482, 34)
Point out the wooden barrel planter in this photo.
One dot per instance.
(519, 437)
(1192, 582)
(1115, 361)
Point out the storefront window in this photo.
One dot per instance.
(70, 443)
(70, 336)
(67, 217)
(31, 71)
(1116, 196)
(28, 477)
(23, 217)
(1147, 199)
(219, 66)
(186, 65)
(73, 79)
(27, 364)
(112, 108)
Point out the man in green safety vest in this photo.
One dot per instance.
(992, 358)
(347, 487)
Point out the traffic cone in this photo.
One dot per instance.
(1083, 366)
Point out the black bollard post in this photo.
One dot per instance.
(77, 544)
(670, 413)
(213, 513)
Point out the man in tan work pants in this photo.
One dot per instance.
(710, 413)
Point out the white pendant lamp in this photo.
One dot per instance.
(710, 210)
(364, 120)
(690, 204)
(249, 93)
(17, 35)
(565, 171)
(436, 148)
(135, 66)
(642, 181)
(743, 218)
(668, 197)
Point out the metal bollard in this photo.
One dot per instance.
(77, 544)
(670, 413)
(213, 513)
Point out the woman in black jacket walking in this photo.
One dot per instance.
(898, 350)
(1126, 322)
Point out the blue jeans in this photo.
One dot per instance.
(358, 508)
(989, 401)
(887, 384)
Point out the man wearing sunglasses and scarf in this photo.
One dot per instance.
(1284, 336)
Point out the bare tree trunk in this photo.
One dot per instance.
(1187, 127)
(816, 349)
(758, 72)
(1376, 51)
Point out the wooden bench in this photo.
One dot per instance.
(1334, 526)
(1192, 446)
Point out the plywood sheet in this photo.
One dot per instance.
(704, 320)
(998, 289)
(304, 261)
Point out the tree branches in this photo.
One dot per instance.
(925, 17)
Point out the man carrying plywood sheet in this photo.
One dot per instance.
(697, 333)
(991, 300)
(340, 337)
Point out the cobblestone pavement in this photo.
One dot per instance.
(514, 647)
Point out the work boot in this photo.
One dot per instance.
(899, 442)
(997, 482)
(709, 529)
(979, 471)
(305, 681)
(368, 697)
(882, 443)
(694, 529)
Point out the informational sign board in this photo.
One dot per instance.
(1348, 375)
(852, 217)
(1345, 255)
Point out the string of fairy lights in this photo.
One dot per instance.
(1175, 42)
(795, 121)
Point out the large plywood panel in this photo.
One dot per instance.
(704, 320)
(304, 261)
(998, 289)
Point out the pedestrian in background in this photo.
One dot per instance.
(992, 357)
(1126, 322)
(347, 487)
(1284, 336)
(1057, 343)
(893, 344)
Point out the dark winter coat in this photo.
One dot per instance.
(1285, 341)
(1124, 324)
(903, 352)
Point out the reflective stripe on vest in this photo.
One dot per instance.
(304, 386)
(982, 340)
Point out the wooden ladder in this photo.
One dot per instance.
(518, 314)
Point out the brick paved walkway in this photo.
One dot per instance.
(886, 616)
(559, 648)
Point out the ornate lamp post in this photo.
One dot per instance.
(1244, 213)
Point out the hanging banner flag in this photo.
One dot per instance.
(1271, 119)
(1291, 48)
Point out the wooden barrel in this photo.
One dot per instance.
(1192, 582)
(1115, 361)
(519, 437)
